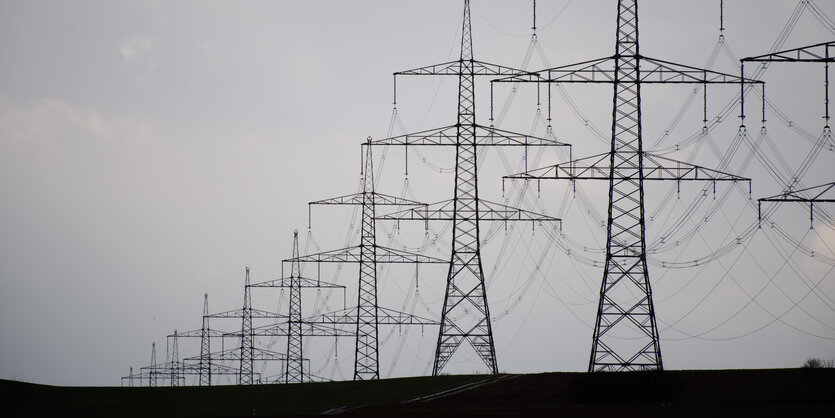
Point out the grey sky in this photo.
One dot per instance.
(150, 150)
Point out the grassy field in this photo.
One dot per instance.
(785, 392)
(28, 400)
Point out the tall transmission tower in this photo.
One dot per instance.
(466, 314)
(205, 364)
(247, 375)
(625, 307)
(367, 315)
(295, 326)
(152, 375)
(174, 366)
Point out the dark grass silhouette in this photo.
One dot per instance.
(720, 393)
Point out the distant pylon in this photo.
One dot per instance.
(366, 316)
(152, 373)
(205, 365)
(246, 374)
(295, 355)
(174, 366)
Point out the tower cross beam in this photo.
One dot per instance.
(353, 255)
(654, 168)
(812, 53)
(482, 136)
(488, 211)
(307, 329)
(650, 70)
(385, 316)
(454, 68)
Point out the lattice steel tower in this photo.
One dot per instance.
(466, 314)
(625, 332)
(246, 374)
(205, 362)
(367, 315)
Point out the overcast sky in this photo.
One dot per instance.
(150, 150)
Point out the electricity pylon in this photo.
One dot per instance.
(466, 314)
(152, 375)
(205, 365)
(174, 366)
(625, 308)
(295, 326)
(367, 315)
(247, 351)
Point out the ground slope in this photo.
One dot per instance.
(786, 392)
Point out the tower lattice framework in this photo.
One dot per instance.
(625, 333)
(465, 315)
(368, 314)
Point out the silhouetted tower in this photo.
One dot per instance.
(295, 328)
(247, 375)
(152, 373)
(247, 353)
(174, 365)
(625, 271)
(366, 365)
(366, 316)
(295, 361)
(466, 314)
(205, 364)
(625, 332)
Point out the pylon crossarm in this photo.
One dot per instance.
(391, 255)
(235, 354)
(300, 282)
(811, 53)
(388, 316)
(385, 316)
(197, 333)
(651, 70)
(352, 255)
(655, 167)
(307, 329)
(599, 70)
(446, 136)
(347, 316)
(378, 199)
(657, 71)
(491, 136)
(484, 136)
(191, 366)
(814, 194)
(454, 68)
(487, 211)
(255, 313)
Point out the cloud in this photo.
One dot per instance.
(53, 120)
(138, 51)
